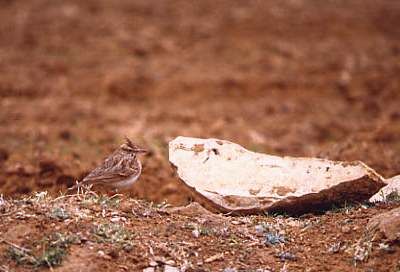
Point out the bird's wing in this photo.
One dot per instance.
(107, 177)
(112, 170)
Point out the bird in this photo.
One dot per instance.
(119, 170)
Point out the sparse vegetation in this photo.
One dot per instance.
(59, 213)
(104, 201)
(273, 238)
(362, 249)
(160, 238)
(54, 249)
(21, 256)
(114, 234)
(200, 230)
(394, 196)
(270, 233)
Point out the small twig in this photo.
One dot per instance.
(116, 195)
(14, 245)
(22, 249)
(49, 265)
(62, 197)
(134, 213)
(78, 194)
(151, 251)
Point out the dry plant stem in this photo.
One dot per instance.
(78, 194)
(116, 195)
(14, 245)
(49, 265)
(24, 250)
(63, 197)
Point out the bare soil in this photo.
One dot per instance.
(299, 78)
(98, 233)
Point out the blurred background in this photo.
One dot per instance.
(293, 77)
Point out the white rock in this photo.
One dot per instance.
(229, 178)
(391, 189)
(168, 268)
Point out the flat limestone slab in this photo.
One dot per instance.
(390, 192)
(229, 178)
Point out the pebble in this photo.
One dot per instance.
(346, 229)
(101, 254)
(168, 268)
(260, 230)
(196, 233)
(153, 263)
(230, 270)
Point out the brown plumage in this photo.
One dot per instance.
(121, 169)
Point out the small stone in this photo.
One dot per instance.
(170, 262)
(287, 256)
(335, 248)
(153, 263)
(168, 268)
(260, 230)
(196, 233)
(346, 229)
(230, 270)
(115, 219)
(101, 254)
(386, 248)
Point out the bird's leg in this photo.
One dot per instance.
(112, 192)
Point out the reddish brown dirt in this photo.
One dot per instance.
(301, 78)
(335, 241)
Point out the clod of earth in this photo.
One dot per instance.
(391, 192)
(386, 224)
(229, 178)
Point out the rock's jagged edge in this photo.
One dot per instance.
(392, 187)
(336, 195)
(312, 202)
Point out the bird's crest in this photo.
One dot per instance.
(129, 145)
(129, 142)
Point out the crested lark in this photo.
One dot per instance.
(119, 170)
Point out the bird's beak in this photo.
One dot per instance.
(140, 150)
